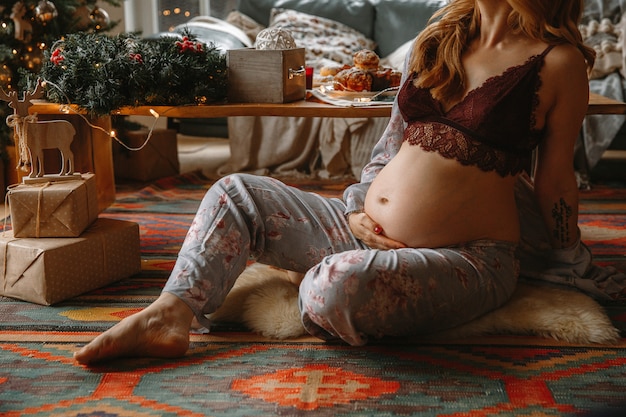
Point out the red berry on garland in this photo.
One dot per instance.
(188, 45)
(56, 58)
(137, 57)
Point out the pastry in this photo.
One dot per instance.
(331, 71)
(353, 79)
(365, 75)
(366, 59)
(385, 78)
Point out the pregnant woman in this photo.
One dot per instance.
(445, 215)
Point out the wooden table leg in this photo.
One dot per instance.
(102, 159)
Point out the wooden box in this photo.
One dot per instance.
(158, 159)
(266, 76)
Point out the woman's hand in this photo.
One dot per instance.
(369, 232)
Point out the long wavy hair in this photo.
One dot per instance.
(442, 42)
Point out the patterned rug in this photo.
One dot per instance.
(232, 372)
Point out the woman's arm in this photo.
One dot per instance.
(385, 149)
(567, 85)
(362, 226)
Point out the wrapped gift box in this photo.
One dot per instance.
(55, 209)
(266, 76)
(158, 159)
(49, 270)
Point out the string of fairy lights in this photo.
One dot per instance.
(175, 12)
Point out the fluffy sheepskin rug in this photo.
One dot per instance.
(265, 299)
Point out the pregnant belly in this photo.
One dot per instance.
(415, 222)
(439, 202)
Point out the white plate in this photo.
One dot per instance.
(387, 95)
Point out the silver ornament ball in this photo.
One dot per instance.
(275, 38)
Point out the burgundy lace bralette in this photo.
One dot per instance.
(492, 127)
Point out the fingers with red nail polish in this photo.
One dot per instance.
(378, 230)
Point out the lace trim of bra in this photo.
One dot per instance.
(453, 144)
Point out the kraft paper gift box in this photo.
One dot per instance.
(54, 209)
(158, 159)
(49, 270)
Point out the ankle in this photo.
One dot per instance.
(173, 308)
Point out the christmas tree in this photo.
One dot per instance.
(27, 30)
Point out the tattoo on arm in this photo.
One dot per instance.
(561, 213)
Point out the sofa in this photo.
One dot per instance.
(389, 23)
(331, 30)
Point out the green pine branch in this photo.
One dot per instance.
(101, 73)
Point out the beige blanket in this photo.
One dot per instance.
(323, 147)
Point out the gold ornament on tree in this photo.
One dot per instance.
(46, 11)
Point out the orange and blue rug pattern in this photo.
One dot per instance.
(309, 378)
(232, 372)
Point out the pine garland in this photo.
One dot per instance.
(101, 73)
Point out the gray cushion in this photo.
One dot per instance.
(358, 14)
(603, 9)
(398, 21)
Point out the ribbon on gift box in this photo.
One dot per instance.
(39, 205)
(7, 202)
(4, 262)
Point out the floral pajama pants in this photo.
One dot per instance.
(349, 291)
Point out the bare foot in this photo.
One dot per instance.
(161, 330)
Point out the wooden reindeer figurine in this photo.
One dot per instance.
(34, 136)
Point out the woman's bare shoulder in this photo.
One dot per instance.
(565, 57)
(564, 76)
